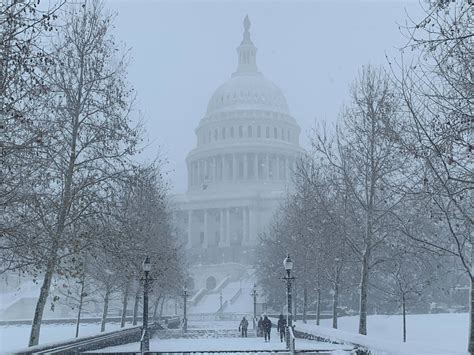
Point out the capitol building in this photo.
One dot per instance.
(238, 172)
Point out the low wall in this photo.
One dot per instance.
(92, 342)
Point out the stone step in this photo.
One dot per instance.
(200, 334)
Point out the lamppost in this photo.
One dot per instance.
(288, 264)
(145, 340)
(185, 300)
(254, 294)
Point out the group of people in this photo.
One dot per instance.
(264, 327)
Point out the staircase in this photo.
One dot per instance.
(201, 334)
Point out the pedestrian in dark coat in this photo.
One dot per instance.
(267, 327)
(244, 324)
(281, 327)
(260, 327)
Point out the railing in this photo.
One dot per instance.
(234, 297)
(197, 297)
(221, 309)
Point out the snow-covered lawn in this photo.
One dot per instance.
(426, 334)
(444, 334)
(239, 344)
(16, 337)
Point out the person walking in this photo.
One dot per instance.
(267, 327)
(260, 327)
(244, 324)
(281, 327)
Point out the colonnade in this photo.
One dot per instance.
(220, 227)
(240, 166)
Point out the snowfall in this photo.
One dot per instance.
(441, 334)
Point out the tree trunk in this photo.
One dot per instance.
(364, 283)
(305, 302)
(81, 300)
(295, 303)
(135, 306)
(104, 313)
(318, 307)
(471, 318)
(334, 304)
(161, 307)
(155, 307)
(124, 305)
(53, 255)
(40, 304)
(404, 319)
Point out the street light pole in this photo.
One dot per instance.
(288, 264)
(145, 340)
(254, 294)
(185, 301)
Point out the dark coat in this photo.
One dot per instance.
(267, 324)
(243, 324)
(281, 324)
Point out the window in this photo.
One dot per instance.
(249, 131)
(223, 132)
(211, 283)
(275, 132)
(282, 134)
(231, 132)
(259, 131)
(241, 131)
(268, 132)
(288, 136)
(215, 134)
(209, 137)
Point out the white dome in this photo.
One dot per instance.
(248, 91)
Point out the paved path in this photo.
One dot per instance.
(224, 344)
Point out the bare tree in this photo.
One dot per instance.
(24, 28)
(91, 140)
(437, 89)
(365, 163)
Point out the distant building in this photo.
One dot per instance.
(240, 170)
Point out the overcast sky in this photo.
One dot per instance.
(182, 51)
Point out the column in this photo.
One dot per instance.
(244, 226)
(267, 164)
(227, 225)
(196, 173)
(214, 169)
(190, 229)
(246, 165)
(249, 222)
(190, 175)
(277, 167)
(234, 167)
(206, 241)
(255, 166)
(221, 228)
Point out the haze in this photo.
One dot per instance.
(182, 51)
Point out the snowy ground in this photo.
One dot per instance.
(442, 334)
(239, 344)
(16, 337)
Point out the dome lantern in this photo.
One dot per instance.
(246, 52)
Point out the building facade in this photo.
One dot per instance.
(239, 171)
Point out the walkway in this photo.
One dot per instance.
(225, 344)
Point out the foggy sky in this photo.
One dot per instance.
(182, 51)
